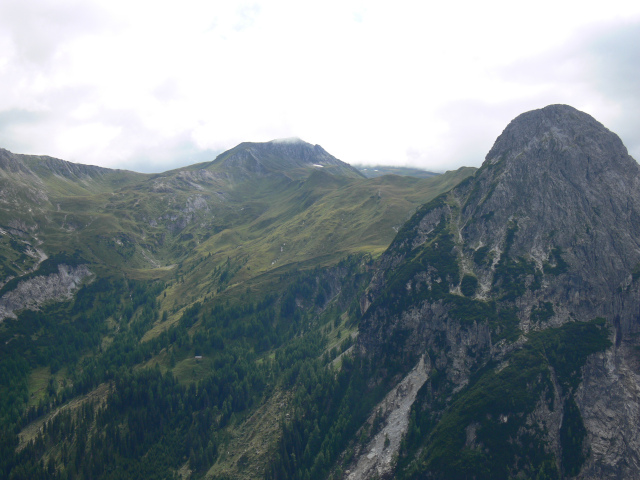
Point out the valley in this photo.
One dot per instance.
(238, 260)
(275, 314)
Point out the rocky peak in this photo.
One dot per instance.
(560, 154)
(561, 182)
(562, 126)
(291, 157)
(44, 166)
(559, 147)
(546, 234)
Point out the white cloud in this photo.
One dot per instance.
(157, 84)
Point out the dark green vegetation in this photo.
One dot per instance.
(218, 291)
(328, 409)
(511, 274)
(151, 420)
(469, 285)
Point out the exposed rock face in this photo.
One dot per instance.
(547, 232)
(568, 183)
(35, 291)
(609, 400)
(377, 458)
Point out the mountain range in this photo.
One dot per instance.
(275, 314)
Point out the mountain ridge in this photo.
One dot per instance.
(291, 157)
(540, 241)
(260, 316)
(122, 219)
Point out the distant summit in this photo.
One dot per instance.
(290, 157)
(287, 140)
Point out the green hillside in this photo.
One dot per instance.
(196, 302)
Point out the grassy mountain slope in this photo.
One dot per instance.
(251, 262)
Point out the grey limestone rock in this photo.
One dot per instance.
(557, 201)
(34, 292)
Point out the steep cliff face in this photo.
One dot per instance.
(609, 401)
(571, 192)
(499, 282)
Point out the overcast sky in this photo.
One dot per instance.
(152, 85)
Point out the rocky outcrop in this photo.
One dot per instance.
(20, 188)
(35, 291)
(609, 401)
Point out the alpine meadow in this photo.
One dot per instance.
(277, 313)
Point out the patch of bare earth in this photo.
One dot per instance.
(251, 443)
